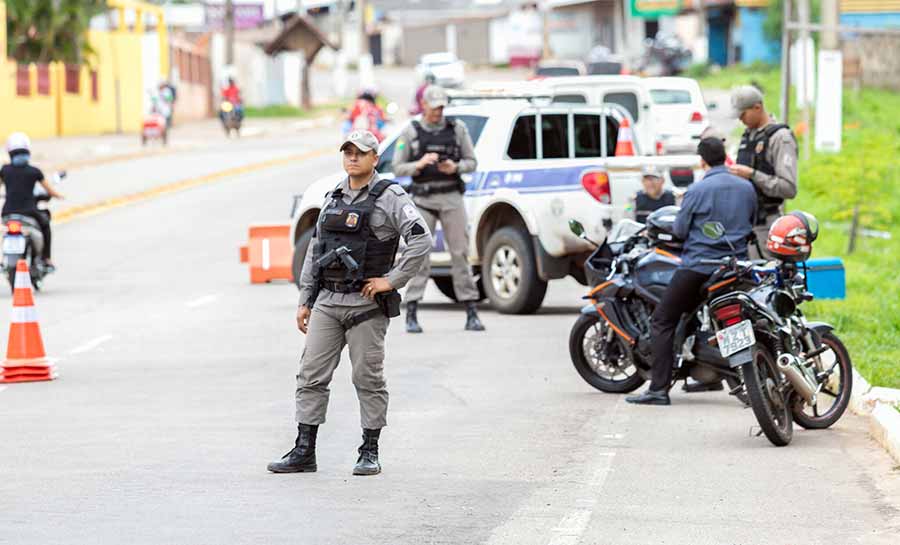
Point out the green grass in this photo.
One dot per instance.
(867, 173)
(285, 110)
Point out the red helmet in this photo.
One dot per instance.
(791, 236)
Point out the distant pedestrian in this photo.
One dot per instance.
(767, 156)
(348, 293)
(654, 195)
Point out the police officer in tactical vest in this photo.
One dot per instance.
(348, 293)
(435, 151)
(767, 157)
(653, 196)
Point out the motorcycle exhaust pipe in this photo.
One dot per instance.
(790, 366)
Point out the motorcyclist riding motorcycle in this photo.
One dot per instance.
(231, 93)
(715, 220)
(418, 102)
(19, 178)
(366, 115)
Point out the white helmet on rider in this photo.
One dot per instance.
(18, 141)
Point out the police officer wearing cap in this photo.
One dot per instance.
(654, 195)
(435, 152)
(767, 156)
(348, 294)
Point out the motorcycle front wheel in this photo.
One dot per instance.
(833, 398)
(604, 364)
(770, 404)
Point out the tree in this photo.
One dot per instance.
(42, 31)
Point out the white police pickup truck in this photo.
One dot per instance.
(538, 167)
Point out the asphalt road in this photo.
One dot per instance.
(177, 382)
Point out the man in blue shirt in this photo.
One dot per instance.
(715, 221)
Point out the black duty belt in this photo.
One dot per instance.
(340, 287)
(433, 188)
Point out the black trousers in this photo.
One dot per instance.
(683, 295)
(43, 219)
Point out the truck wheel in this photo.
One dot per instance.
(300, 254)
(509, 273)
(445, 285)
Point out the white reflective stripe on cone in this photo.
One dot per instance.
(266, 257)
(23, 280)
(23, 315)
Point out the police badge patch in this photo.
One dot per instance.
(352, 220)
(760, 146)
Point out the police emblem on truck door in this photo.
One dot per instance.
(352, 220)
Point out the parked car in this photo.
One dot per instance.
(601, 61)
(448, 71)
(536, 165)
(679, 113)
(626, 91)
(558, 68)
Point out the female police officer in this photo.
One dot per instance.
(347, 294)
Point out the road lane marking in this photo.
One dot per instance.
(83, 210)
(200, 301)
(90, 345)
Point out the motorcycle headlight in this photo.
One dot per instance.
(227, 107)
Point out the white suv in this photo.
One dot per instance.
(538, 167)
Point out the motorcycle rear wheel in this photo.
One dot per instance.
(588, 331)
(841, 394)
(771, 408)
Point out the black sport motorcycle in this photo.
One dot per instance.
(793, 370)
(629, 271)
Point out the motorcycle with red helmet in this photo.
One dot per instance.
(794, 370)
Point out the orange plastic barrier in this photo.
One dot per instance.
(625, 140)
(26, 360)
(269, 253)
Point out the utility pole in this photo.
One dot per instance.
(786, 62)
(831, 14)
(229, 32)
(363, 35)
(803, 15)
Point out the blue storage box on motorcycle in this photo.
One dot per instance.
(825, 278)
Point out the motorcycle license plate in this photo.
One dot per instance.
(735, 338)
(14, 245)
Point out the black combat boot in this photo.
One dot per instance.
(301, 458)
(367, 464)
(412, 323)
(472, 321)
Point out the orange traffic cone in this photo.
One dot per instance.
(625, 139)
(25, 357)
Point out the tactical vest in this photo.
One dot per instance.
(442, 142)
(644, 205)
(752, 153)
(349, 225)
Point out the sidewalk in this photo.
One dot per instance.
(73, 152)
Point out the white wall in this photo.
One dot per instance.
(150, 63)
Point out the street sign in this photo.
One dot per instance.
(828, 104)
(651, 9)
(246, 15)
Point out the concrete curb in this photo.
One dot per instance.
(879, 405)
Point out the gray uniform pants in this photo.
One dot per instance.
(449, 209)
(325, 340)
(762, 234)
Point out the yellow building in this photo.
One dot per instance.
(103, 97)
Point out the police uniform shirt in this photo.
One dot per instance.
(394, 214)
(781, 153)
(407, 147)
